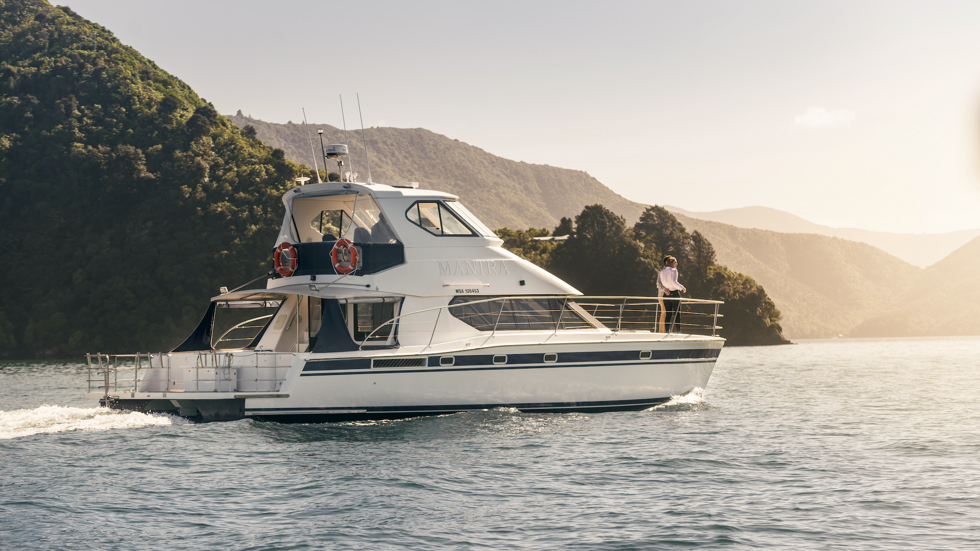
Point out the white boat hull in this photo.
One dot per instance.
(577, 380)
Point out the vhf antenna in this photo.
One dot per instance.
(347, 143)
(363, 139)
(320, 132)
(312, 153)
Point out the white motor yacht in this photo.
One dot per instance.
(392, 302)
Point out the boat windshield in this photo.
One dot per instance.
(470, 219)
(351, 216)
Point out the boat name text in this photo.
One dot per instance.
(474, 267)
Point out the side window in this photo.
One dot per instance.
(437, 219)
(370, 316)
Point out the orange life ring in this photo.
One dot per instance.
(286, 259)
(346, 252)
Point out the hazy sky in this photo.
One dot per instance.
(860, 114)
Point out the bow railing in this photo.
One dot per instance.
(617, 314)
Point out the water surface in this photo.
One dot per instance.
(841, 444)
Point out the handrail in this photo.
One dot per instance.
(135, 372)
(240, 326)
(575, 298)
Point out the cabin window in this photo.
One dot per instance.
(331, 224)
(517, 314)
(368, 317)
(353, 216)
(471, 220)
(436, 218)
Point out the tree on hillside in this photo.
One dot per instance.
(702, 258)
(601, 257)
(149, 200)
(565, 227)
(658, 228)
(750, 316)
(523, 244)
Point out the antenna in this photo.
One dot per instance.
(363, 139)
(347, 143)
(320, 132)
(312, 153)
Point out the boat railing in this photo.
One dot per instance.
(206, 371)
(549, 313)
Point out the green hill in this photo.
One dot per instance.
(125, 199)
(500, 191)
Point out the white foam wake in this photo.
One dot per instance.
(50, 419)
(692, 398)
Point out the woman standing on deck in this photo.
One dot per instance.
(667, 280)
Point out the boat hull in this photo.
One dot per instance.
(569, 377)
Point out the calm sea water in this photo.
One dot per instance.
(844, 444)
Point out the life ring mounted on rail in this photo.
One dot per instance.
(344, 256)
(286, 259)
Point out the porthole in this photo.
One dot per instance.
(500, 359)
(447, 360)
(646, 355)
(550, 358)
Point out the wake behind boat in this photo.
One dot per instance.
(392, 302)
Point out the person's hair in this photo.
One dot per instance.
(668, 260)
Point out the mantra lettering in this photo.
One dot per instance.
(474, 267)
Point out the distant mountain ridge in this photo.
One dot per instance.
(944, 301)
(917, 249)
(500, 191)
(824, 285)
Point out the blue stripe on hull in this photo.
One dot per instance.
(394, 371)
(316, 415)
(478, 362)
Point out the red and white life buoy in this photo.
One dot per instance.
(286, 259)
(344, 256)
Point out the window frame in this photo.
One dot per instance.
(442, 205)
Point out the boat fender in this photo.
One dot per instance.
(344, 252)
(286, 258)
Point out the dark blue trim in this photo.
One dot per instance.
(578, 357)
(315, 258)
(478, 362)
(506, 367)
(334, 365)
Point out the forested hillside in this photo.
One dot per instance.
(125, 199)
(824, 286)
(602, 255)
(500, 191)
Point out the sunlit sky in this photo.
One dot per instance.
(856, 114)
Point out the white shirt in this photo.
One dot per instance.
(668, 280)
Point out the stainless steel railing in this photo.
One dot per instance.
(614, 313)
(204, 371)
